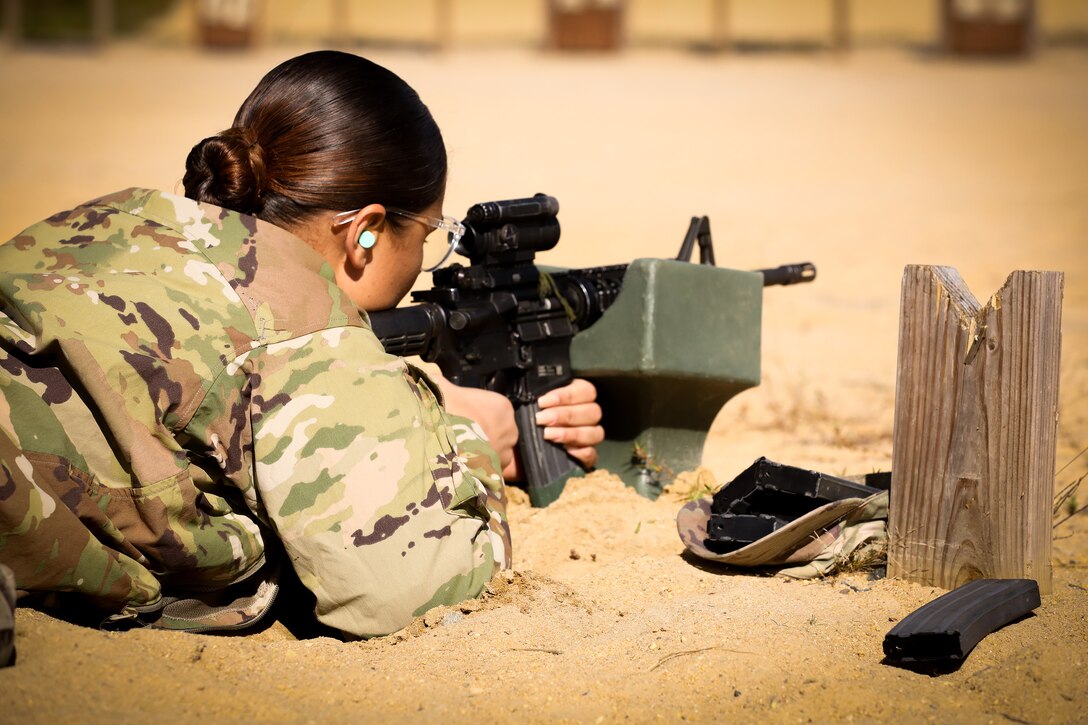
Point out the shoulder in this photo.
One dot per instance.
(104, 236)
(287, 287)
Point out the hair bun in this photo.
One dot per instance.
(227, 170)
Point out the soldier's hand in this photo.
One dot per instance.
(569, 415)
(572, 418)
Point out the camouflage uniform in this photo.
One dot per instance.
(179, 381)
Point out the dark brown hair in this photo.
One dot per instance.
(322, 131)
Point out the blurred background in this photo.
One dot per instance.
(861, 135)
(568, 24)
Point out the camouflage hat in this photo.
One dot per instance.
(825, 536)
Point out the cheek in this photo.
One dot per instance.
(385, 283)
(404, 286)
(403, 275)
(417, 257)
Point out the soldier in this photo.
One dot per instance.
(190, 397)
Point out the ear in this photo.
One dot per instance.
(370, 219)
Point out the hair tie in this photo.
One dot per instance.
(256, 159)
(249, 137)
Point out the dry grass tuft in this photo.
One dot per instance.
(692, 485)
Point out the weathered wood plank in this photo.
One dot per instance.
(840, 25)
(102, 22)
(975, 429)
(13, 21)
(719, 25)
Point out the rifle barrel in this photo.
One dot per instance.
(788, 274)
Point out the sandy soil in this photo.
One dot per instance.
(860, 164)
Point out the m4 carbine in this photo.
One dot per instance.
(504, 324)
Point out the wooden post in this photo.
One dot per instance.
(13, 22)
(840, 25)
(719, 25)
(443, 21)
(976, 406)
(339, 30)
(102, 22)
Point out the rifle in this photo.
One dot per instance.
(504, 324)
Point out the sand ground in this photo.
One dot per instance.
(861, 164)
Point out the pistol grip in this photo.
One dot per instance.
(545, 466)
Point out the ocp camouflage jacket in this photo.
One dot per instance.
(179, 382)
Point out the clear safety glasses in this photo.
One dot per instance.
(440, 242)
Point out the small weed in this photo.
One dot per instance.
(1066, 501)
(657, 473)
(870, 557)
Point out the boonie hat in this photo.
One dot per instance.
(814, 544)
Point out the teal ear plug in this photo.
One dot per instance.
(367, 239)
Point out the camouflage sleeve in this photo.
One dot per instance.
(386, 506)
